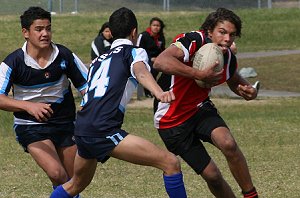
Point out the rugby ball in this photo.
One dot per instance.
(205, 57)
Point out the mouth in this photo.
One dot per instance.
(224, 48)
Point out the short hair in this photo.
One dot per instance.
(122, 22)
(33, 13)
(162, 25)
(220, 15)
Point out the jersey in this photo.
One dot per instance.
(189, 96)
(111, 82)
(48, 85)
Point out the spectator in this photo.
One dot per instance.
(102, 42)
(153, 41)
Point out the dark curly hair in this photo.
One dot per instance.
(220, 15)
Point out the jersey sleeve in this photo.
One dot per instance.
(189, 43)
(77, 72)
(138, 55)
(5, 78)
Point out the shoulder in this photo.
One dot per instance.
(14, 57)
(192, 36)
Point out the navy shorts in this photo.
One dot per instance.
(101, 146)
(186, 139)
(62, 135)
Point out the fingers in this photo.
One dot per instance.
(43, 113)
(167, 97)
(247, 92)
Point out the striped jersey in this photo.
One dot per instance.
(111, 82)
(50, 84)
(189, 95)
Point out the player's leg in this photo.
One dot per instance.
(223, 139)
(215, 181)
(137, 150)
(67, 156)
(84, 170)
(45, 155)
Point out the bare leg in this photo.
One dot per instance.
(67, 157)
(223, 140)
(45, 155)
(84, 170)
(215, 182)
(137, 150)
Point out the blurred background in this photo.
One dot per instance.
(75, 6)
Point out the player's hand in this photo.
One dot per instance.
(41, 111)
(210, 76)
(248, 92)
(166, 97)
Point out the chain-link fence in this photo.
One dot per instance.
(74, 6)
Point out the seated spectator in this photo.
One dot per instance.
(102, 42)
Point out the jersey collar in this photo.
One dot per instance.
(119, 42)
(32, 63)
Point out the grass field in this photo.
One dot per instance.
(267, 129)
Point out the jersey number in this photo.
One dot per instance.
(100, 80)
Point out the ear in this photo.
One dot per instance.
(25, 33)
(209, 33)
(133, 33)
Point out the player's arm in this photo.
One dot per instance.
(40, 111)
(242, 87)
(170, 62)
(146, 79)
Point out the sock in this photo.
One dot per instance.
(251, 194)
(174, 186)
(60, 192)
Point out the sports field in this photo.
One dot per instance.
(266, 129)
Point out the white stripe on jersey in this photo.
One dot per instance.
(139, 54)
(128, 91)
(82, 68)
(46, 93)
(94, 48)
(5, 72)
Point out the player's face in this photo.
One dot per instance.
(39, 34)
(107, 34)
(223, 34)
(155, 27)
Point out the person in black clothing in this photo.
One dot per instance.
(102, 42)
(153, 41)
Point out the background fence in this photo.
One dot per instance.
(74, 6)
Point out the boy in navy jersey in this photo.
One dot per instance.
(43, 103)
(192, 117)
(111, 80)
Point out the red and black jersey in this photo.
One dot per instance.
(189, 95)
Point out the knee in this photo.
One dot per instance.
(212, 176)
(229, 147)
(58, 176)
(172, 164)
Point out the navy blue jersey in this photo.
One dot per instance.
(111, 83)
(48, 85)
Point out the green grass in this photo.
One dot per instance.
(263, 29)
(266, 130)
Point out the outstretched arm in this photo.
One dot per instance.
(40, 111)
(146, 79)
(242, 87)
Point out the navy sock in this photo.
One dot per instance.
(60, 192)
(174, 186)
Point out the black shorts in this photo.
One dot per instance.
(60, 134)
(99, 147)
(185, 139)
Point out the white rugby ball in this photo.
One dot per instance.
(206, 56)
